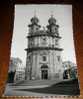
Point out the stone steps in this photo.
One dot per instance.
(36, 82)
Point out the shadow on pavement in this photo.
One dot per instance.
(62, 88)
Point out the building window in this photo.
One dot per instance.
(44, 41)
(44, 58)
(53, 29)
(58, 57)
(56, 42)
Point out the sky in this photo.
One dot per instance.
(63, 15)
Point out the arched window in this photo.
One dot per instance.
(44, 58)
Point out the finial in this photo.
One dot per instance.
(51, 13)
(35, 13)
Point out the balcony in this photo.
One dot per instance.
(42, 33)
(42, 48)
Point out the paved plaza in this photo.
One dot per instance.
(12, 91)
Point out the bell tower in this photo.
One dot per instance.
(34, 27)
(53, 27)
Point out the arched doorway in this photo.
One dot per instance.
(44, 72)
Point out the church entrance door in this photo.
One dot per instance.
(44, 74)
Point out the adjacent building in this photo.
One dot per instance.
(20, 74)
(16, 70)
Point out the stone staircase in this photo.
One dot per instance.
(36, 82)
(30, 84)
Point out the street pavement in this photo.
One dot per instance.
(12, 91)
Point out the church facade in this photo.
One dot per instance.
(43, 59)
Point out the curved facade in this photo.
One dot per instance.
(43, 52)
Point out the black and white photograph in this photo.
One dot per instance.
(43, 58)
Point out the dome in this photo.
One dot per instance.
(34, 20)
(52, 20)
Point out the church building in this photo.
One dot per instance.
(43, 61)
